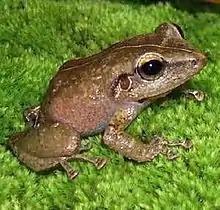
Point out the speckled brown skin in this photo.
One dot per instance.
(104, 93)
(60, 145)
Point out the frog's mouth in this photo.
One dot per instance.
(154, 98)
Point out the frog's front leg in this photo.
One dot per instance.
(198, 95)
(49, 145)
(117, 139)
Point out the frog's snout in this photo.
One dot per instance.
(201, 59)
(197, 61)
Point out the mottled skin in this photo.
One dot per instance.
(104, 93)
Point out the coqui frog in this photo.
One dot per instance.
(104, 93)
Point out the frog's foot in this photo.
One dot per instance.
(198, 95)
(32, 115)
(165, 146)
(98, 162)
(71, 173)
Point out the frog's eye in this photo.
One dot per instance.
(170, 30)
(150, 67)
(179, 29)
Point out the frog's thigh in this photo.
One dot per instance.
(52, 141)
(38, 164)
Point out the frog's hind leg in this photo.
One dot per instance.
(98, 162)
(50, 145)
(72, 174)
(39, 165)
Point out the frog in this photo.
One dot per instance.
(102, 94)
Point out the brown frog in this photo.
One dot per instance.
(104, 93)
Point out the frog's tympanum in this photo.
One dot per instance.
(104, 93)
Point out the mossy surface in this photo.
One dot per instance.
(37, 36)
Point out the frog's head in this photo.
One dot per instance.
(162, 62)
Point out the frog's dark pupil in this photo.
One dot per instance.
(152, 67)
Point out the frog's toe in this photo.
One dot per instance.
(198, 95)
(31, 116)
(100, 162)
(161, 145)
(186, 144)
(171, 155)
(72, 174)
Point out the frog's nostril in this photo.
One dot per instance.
(194, 62)
(199, 60)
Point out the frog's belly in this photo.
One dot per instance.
(87, 117)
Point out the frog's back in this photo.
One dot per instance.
(80, 92)
(78, 96)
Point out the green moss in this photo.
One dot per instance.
(37, 36)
